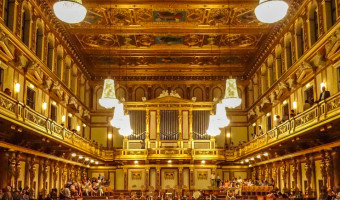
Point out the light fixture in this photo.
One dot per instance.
(228, 135)
(308, 85)
(109, 136)
(31, 86)
(54, 103)
(70, 115)
(63, 118)
(136, 162)
(294, 105)
(17, 87)
(271, 11)
(169, 161)
(108, 99)
(254, 124)
(125, 129)
(87, 159)
(246, 160)
(268, 114)
(118, 115)
(203, 161)
(258, 156)
(221, 116)
(84, 125)
(242, 162)
(70, 11)
(252, 158)
(73, 154)
(231, 98)
(250, 165)
(285, 102)
(92, 161)
(44, 106)
(78, 128)
(81, 157)
(96, 162)
(265, 154)
(213, 129)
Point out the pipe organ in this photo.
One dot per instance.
(200, 124)
(138, 125)
(169, 125)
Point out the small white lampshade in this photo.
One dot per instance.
(70, 11)
(271, 11)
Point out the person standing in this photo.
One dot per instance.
(212, 179)
(218, 181)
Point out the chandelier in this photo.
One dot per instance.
(70, 11)
(213, 129)
(125, 129)
(108, 99)
(271, 11)
(231, 99)
(221, 116)
(118, 116)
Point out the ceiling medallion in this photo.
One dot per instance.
(70, 11)
(271, 11)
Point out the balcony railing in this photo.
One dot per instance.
(318, 114)
(22, 115)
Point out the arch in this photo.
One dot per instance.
(59, 62)
(26, 24)
(270, 70)
(139, 93)
(99, 91)
(278, 62)
(313, 22)
(288, 50)
(50, 51)
(217, 92)
(158, 91)
(331, 7)
(121, 93)
(198, 93)
(180, 91)
(67, 69)
(39, 38)
(299, 32)
(9, 13)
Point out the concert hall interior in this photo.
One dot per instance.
(169, 99)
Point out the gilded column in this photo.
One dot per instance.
(32, 169)
(284, 176)
(323, 169)
(147, 129)
(158, 177)
(192, 178)
(180, 122)
(308, 170)
(55, 174)
(44, 177)
(17, 171)
(321, 18)
(190, 128)
(180, 177)
(158, 125)
(125, 178)
(147, 177)
(295, 171)
(11, 169)
(275, 173)
(329, 171)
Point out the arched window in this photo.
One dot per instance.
(288, 52)
(300, 45)
(270, 71)
(278, 62)
(331, 15)
(39, 40)
(66, 77)
(50, 54)
(26, 26)
(313, 25)
(59, 65)
(9, 8)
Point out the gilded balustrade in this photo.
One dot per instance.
(24, 116)
(320, 113)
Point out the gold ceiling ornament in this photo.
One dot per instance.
(108, 99)
(271, 11)
(231, 98)
(70, 11)
(221, 116)
(213, 129)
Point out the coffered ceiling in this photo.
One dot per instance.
(169, 38)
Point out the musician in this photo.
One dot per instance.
(218, 181)
(212, 179)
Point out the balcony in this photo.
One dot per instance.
(321, 113)
(29, 119)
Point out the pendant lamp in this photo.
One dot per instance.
(70, 11)
(125, 129)
(213, 129)
(231, 98)
(108, 99)
(221, 116)
(271, 11)
(118, 115)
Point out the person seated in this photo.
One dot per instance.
(307, 105)
(8, 92)
(324, 94)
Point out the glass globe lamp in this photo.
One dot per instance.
(271, 11)
(70, 11)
